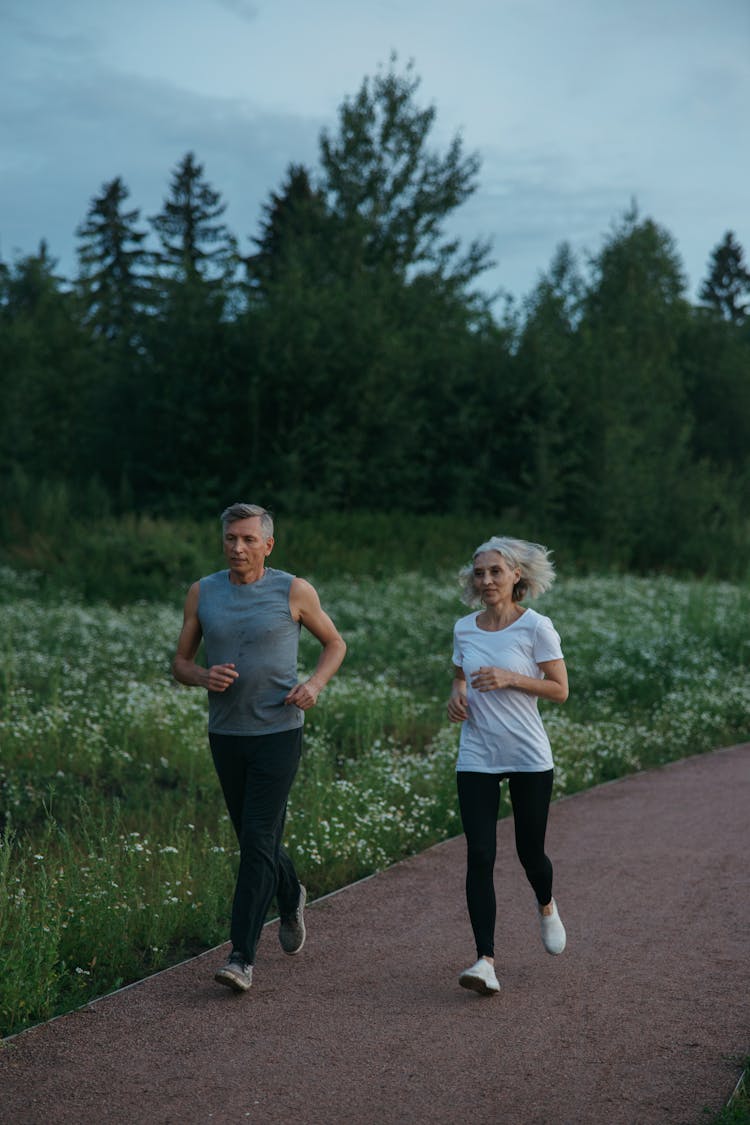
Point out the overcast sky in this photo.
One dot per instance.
(576, 107)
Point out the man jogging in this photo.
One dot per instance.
(249, 618)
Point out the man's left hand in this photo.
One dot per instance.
(304, 695)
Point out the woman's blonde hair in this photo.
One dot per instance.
(532, 559)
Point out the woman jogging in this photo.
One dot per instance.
(505, 659)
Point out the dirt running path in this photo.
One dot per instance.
(639, 1022)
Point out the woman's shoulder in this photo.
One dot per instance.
(543, 636)
(468, 621)
(534, 617)
(538, 623)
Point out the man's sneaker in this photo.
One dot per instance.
(236, 974)
(292, 931)
(553, 931)
(481, 978)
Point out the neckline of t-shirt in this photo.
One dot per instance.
(267, 571)
(504, 629)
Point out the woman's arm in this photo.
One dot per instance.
(553, 687)
(457, 706)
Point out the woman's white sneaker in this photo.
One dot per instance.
(481, 978)
(553, 931)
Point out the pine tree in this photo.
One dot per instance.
(642, 497)
(46, 374)
(194, 243)
(112, 259)
(726, 290)
(293, 231)
(545, 393)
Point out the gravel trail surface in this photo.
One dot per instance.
(641, 1021)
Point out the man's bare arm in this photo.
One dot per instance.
(184, 668)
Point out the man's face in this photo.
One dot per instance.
(246, 548)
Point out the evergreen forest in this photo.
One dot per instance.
(345, 359)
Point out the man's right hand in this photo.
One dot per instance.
(219, 677)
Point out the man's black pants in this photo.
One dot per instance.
(256, 773)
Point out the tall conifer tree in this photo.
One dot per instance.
(726, 289)
(112, 261)
(194, 242)
(294, 232)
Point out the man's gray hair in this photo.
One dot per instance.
(240, 511)
(532, 559)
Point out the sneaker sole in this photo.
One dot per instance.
(231, 981)
(476, 984)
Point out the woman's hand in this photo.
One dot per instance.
(553, 686)
(457, 707)
(490, 679)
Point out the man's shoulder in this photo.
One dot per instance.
(215, 578)
(274, 572)
(211, 585)
(281, 583)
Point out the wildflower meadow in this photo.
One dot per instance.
(116, 855)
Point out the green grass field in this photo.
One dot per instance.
(117, 857)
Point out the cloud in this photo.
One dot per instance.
(16, 22)
(242, 8)
(528, 217)
(574, 109)
(103, 124)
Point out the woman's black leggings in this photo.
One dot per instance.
(479, 801)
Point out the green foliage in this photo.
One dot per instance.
(112, 259)
(737, 1110)
(295, 233)
(726, 290)
(47, 372)
(381, 178)
(95, 907)
(69, 542)
(550, 442)
(714, 357)
(193, 241)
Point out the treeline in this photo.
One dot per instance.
(345, 360)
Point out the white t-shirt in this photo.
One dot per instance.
(504, 731)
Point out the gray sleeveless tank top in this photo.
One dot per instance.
(251, 627)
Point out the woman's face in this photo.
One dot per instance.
(494, 578)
